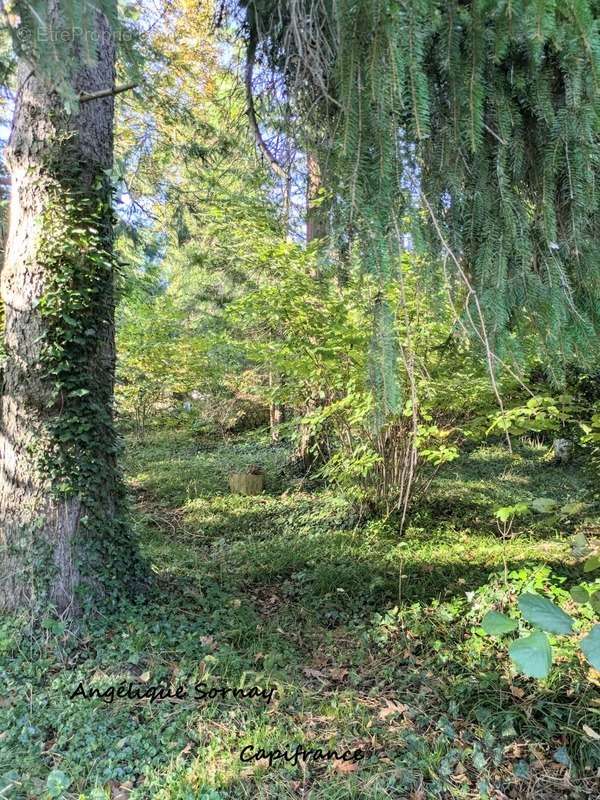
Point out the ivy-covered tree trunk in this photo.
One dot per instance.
(63, 537)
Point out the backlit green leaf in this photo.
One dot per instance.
(593, 563)
(532, 655)
(591, 647)
(542, 613)
(496, 624)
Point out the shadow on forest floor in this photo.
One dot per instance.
(314, 544)
(369, 640)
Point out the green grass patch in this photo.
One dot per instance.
(371, 641)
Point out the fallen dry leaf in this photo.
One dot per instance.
(314, 673)
(591, 732)
(120, 792)
(338, 673)
(345, 766)
(391, 707)
(187, 749)
(594, 676)
(535, 751)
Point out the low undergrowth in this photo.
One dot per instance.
(369, 640)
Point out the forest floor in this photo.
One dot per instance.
(368, 641)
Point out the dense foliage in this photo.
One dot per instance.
(355, 260)
(479, 117)
(366, 639)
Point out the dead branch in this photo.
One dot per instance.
(85, 98)
(250, 59)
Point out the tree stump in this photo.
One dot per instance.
(563, 450)
(250, 482)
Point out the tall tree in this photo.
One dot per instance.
(63, 534)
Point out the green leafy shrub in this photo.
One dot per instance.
(540, 414)
(531, 652)
(316, 336)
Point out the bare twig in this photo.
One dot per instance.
(494, 134)
(250, 59)
(85, 98)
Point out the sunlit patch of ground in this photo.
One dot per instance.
(371, 641)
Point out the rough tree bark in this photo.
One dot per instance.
(62, 536)
(316, 211)
(316, 229)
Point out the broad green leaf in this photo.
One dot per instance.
(593, 563)
(532, 655)
(595, 601)
(503, 514)
(544, 505)
(590, 645)
(57, 783)
(579, 594)
(506, 512)
(574, 508)
(579, 545)
(496, 624)
(561, 756)
(542, 613)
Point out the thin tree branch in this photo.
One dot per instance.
(481, 332)
(494, 134)
(85, 98)
(250, 59)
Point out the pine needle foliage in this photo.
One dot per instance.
(478, 122)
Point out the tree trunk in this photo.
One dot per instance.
(316, 210)
(62, 532)
(316, 229)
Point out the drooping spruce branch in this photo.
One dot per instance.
(487, 110)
